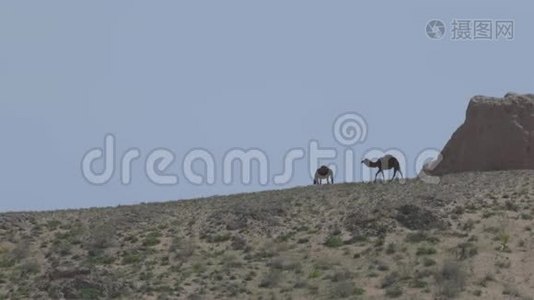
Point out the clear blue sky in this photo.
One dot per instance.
(224, 74)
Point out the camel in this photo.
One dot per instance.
(323, 172)
(384, 163)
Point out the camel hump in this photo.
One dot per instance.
(323, 170)
(391, 161)
(388, 161)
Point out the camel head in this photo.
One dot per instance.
(366, 162)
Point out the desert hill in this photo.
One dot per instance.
(469, 237)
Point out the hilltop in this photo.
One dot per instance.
(469, 236)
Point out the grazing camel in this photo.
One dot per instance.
(384, 163)
(323, 172)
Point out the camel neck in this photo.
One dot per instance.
(373, 164)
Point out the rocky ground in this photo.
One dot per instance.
(469, 237)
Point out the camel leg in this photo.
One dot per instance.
(381, 171)
(376, 175)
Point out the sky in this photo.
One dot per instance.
(223, 75)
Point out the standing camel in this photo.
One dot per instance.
(384, 163)
(323, 172)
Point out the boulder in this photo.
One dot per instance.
(498, 134)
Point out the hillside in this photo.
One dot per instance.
(470, 236)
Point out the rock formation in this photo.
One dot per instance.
(498, 134)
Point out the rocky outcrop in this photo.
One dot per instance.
(498, 134)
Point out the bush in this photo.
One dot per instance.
(53, 224)
(340, 276)
(285, 264)
(450, 279)
(333, 242)
(89, 293)
(390, 279)
(61, 247)
(270, 279)
(510, 291)
(503, 263)
(303, 240)
(21, 251)
(219, 238)
(391, 248)
(417, 218)
(394, 291)
(427, 262)
(131, 257)
(344, 289)
(468, 225)
(151, 239)
(418, 283)
(29, 267)
(420, 236)
(425, 251)
(100, 259)
(466, 250)
(315, 273)
(510, 205)
(484, 281)
(458, 210)
(101, 237)
(239, 243)
(526, 216)
(181, 248)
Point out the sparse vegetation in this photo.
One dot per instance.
(353, 241)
